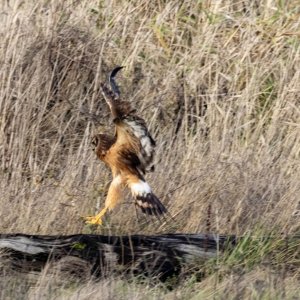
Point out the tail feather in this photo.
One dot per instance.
(150, 204)
(146, 200)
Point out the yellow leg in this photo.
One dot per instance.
(96, 220)
(114, 195)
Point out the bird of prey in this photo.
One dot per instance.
(128, 153)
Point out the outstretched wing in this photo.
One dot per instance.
(132, 135)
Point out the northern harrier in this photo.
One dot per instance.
(129, 154)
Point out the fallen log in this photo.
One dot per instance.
(159, 255)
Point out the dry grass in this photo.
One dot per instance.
(217, 82)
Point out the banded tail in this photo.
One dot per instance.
(145, 199)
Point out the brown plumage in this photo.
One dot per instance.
(128, 153)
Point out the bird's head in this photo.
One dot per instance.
(102, 142)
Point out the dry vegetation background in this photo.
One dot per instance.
(217, 82)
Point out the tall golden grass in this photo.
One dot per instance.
(217, 82)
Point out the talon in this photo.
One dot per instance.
(96, 220)
(93, 220)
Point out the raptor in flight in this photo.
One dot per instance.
(128, 153)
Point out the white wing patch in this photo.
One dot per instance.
(140, 188)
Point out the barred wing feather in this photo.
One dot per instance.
(147, 144)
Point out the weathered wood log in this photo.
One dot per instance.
(159, 255)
